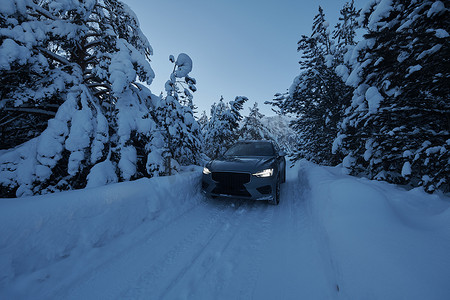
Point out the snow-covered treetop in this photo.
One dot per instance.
(77, 63)
(183, 65)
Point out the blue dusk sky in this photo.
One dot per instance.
(238, 47)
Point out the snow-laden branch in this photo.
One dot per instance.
(92, 34)
(92, 44)
(30, 110)
(41, 11)
(54, 56)
(101, 92)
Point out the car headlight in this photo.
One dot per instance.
(206, 171)
(264, 173)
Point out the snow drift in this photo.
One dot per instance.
(36, 232)
(382, 242)
(333, 236)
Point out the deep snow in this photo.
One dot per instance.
(332, 236)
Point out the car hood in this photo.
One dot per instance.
(240, 164)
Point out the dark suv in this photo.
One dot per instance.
(248, 169)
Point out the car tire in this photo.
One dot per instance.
(284, 175)
(276, 196)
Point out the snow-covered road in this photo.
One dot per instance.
(219, 250)
(230, 249)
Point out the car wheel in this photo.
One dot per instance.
(284, 175)
(276, 196)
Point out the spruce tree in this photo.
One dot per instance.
(71, 104)
(252, 127)
(232, 117)
(203, 121)
(181, 132)
(317, 96)
(222, 130)
(213, 132)
(397, 127)
(344, 33)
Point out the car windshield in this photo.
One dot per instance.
(251, 149)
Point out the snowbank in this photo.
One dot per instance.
(384, 242)
(342, 236)
(38, 231)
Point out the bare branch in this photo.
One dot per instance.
(9, 121)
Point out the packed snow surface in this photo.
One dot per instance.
(332, 237)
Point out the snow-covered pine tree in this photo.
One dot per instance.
(281, 132)
(74, 64)
(317, 96)
(397, 127)
(203, 121)
(223, 127)
(252, 127)
(232, 117)
(181, 132)
(212, 133)
(344, 33)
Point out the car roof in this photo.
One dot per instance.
(255, 141)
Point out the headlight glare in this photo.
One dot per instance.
(264, 173)
(206, 171)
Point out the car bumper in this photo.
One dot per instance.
(255, 189)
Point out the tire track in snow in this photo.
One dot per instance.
(103, 261)
(213, 265)
(217, 251)
(255, 257)
(291, 266)
(284, 230)
(119, 266)
(201, 252)
(162, 270)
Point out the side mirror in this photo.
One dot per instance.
(282, 153)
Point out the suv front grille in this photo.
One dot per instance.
(231, 183)
(231, 179)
